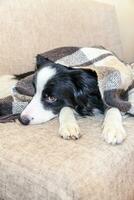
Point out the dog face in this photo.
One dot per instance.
(57, 86)
(38, 110)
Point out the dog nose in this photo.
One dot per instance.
(24, 120)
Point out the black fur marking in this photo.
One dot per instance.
(113, 98)
(41, 60)
(74, 88)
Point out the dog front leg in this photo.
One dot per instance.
(113, 131)
(69, 129)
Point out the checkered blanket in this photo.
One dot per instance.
(112, 74)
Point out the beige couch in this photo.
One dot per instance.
(35, 163)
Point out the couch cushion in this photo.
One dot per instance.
(36, 164)
(31, 27)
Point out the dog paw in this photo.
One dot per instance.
(114, 133)
(69, 131)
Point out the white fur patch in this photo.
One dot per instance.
(113, 131)
(35, 111)
(43, 76)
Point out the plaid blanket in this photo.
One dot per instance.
(112, 73)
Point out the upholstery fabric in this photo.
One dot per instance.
(36, 164)
(31, 27)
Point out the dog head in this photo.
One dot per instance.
(57, 86)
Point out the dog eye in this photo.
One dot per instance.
(50, 99)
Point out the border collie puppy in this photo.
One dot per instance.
(57, 87)
(61, 90)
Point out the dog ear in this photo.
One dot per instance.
(80, 89)
(82, 101)
(86, 93)
(41, 60)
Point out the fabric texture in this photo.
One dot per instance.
(36, 164)
(31, 27)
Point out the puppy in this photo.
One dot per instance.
(61, 90)
(56, 87)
